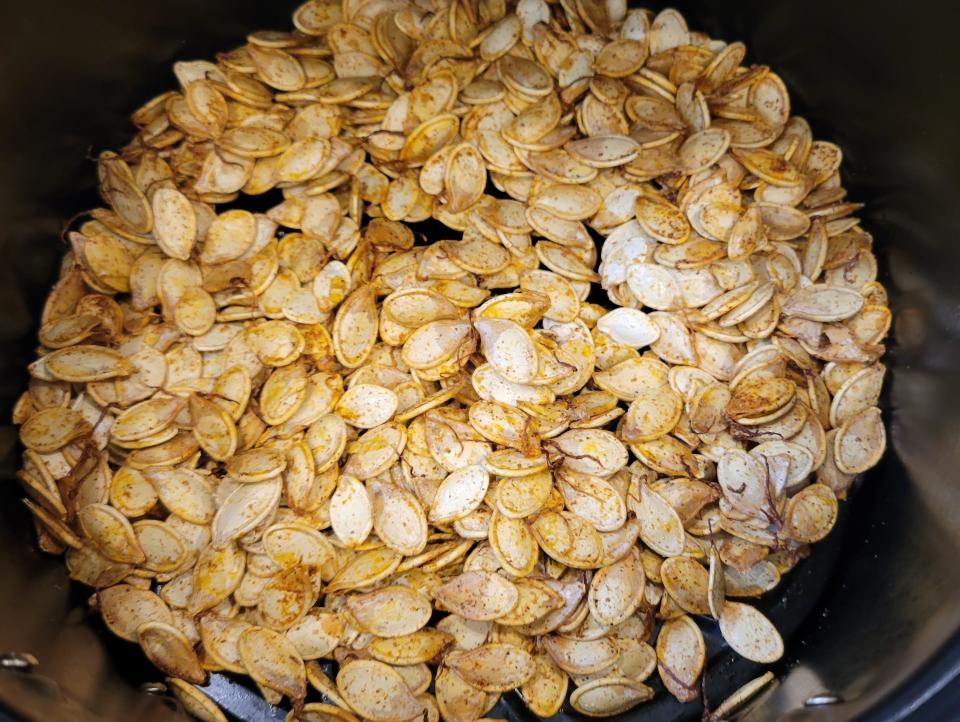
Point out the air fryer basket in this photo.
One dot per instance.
(871, 619)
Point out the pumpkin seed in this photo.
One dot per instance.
(316, 634)
(163, 547)
(390, 611)
(184, 492)
(750, 633)
(478, 595)
(272, 660)
(617, 590)
(351, 511)
(860, 442)
(213, 428)
(546, 689)
(823, 303)
(581, 656)
(216, 574)
(131, 493)
(687, 583)
(680, 657)
(175, 223)
(410, 649)
(456, 699)
(810, 514)
(609, 696)
(219, 636)
(508, 348)
(660, 525)
(170, 650)
(125, 609)
(367, 405)
(375, 691)
(111, 533)
(459, 494)
(85, 363)
(51, 429)
(366, 568)
(494, 667)
(292, 543)
(244, 509)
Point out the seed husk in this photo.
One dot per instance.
(194, 701)
(860, 442)
(494, 667)
(170, 650)
(681, 656)
(390, 611)
(582, 656)
(750, 633)
(375, 691)
(478, 595)
(125, 609)
(609, 696)
(272, 661)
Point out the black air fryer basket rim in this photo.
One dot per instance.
(873, 77)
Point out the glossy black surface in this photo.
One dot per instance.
(877, 78)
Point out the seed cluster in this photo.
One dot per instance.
(272, 438)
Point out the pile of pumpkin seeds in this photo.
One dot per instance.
(268, 439)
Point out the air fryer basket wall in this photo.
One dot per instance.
(874, 77)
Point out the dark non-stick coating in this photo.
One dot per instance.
(871, 617)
